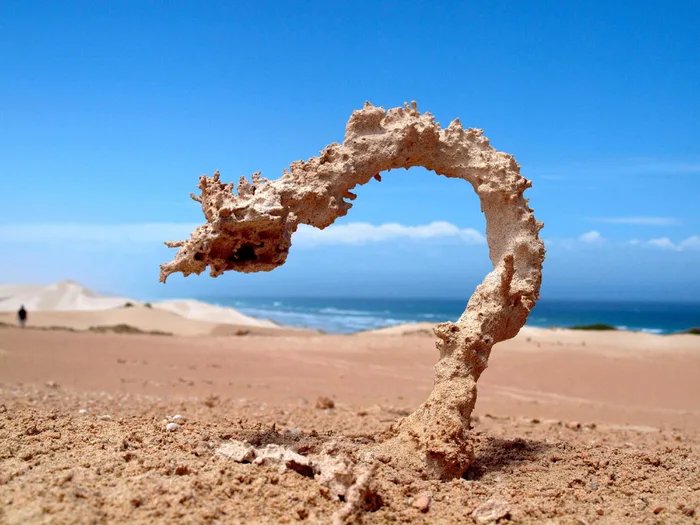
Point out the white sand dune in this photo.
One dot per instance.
(402, 329)
(616, 342)
(200, 311)
(62, 296)
(139, 317)
(70, 305)
(10, 290)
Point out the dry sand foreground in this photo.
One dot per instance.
(572, 427)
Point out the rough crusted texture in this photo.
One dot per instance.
(343, 479)
(252, 232)
(62, 463)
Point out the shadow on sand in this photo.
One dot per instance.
(493, 454)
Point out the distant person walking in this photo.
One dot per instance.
(22, 316)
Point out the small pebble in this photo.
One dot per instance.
(177, 418)
(422, 503)
(324, 403)
(239, 451)
(105, 417)
(491, 510)
(172, 427)
(83, 411)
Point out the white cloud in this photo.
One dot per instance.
(691, 243)
(662, 242)
(652, 166)
(144, 233)
(363, 232)
(639, 220)
(591, 237)
(354, 233)
(152, 232)
(628, 166)
(594, 238)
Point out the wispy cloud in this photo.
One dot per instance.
(362, 233)
(662, 242)
(151, 232)
(628, 166)
(157, 232)
(661, 166)
(639, 220)
(691, 243)
(591, 237)
(595, 240)
(354, 233)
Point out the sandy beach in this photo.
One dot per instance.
(350, 263)
(570, 426)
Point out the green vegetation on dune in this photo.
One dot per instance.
(125, 329)
(596, 327)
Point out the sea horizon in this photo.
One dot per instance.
(354, 314)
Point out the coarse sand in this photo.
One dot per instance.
(570, 428)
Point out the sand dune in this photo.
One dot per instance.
(139, 317)
(70, 305)
(146, 320)
(200, 311)
(62, 296)
(610, 342)
(402, 329)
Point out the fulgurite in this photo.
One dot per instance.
(252, 231)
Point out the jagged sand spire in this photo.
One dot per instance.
(252, 231)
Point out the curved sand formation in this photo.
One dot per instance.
(252, 232)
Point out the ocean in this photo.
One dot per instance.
(348, 315)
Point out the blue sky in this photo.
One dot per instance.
(111, 110)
